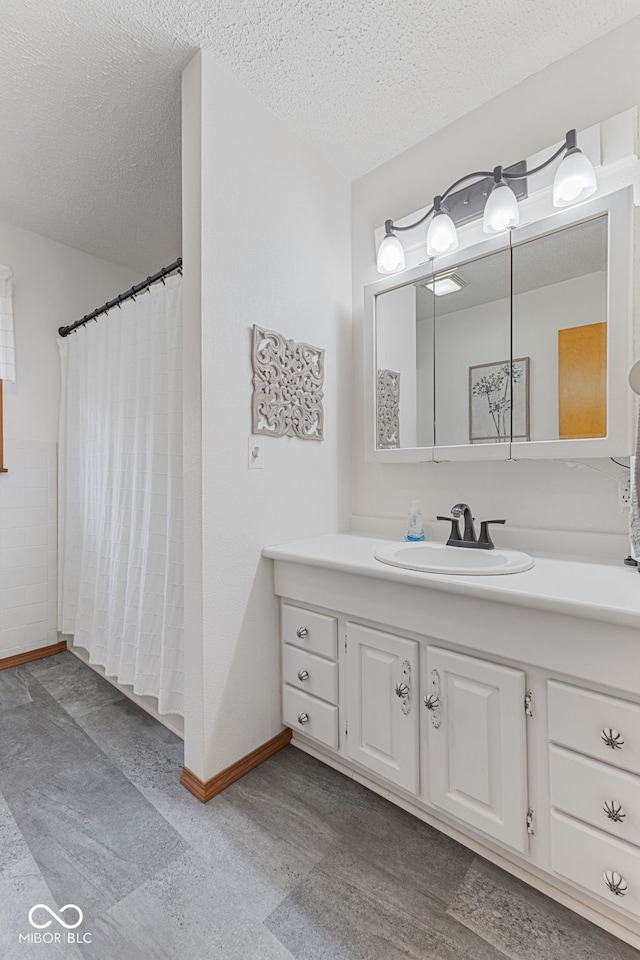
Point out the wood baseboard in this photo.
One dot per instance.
(206, 789)
(30, 655)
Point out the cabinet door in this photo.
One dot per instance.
(383, 723)
(476, 763)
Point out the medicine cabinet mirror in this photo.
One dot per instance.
(517, 347)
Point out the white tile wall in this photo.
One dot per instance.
(28, 546)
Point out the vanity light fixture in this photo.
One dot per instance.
(575, 180)
(501, 209)
(390, 254)
(442, 236)
(444, 283)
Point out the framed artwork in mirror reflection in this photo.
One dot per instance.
(499, 401)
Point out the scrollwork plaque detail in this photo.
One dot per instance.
(388, 410)
(288, 381)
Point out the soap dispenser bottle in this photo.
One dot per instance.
(415, 523)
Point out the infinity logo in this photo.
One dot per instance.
(47, 923)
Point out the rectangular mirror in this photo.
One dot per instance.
(560, 327)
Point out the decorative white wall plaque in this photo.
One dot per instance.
(288, 378)
(388, 403)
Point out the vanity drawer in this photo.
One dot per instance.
(311, 631)
(581, 719)
(321, 678)
(584, 855)
(322, 718)
(582, 787)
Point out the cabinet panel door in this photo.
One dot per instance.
(477, 766)
(383, 726)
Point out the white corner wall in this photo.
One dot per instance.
(266, 240)
(596, 82)
(53, 285)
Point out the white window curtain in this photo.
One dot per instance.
(120, 494)
(7, 345)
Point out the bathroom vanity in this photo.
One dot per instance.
(503, 710)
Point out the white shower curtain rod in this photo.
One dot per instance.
(132, 293)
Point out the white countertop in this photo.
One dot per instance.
(598, 591)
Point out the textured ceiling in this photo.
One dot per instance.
(90, 112)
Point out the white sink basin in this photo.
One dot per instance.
(457, 561)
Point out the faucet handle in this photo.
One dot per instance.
(485, 536)
(454, 536)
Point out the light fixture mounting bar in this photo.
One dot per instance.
(467, 204)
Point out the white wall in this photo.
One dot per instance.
(266, 240)
(596, 82)
(53, 285)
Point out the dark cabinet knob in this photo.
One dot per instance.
(614, 810)
(612, 738)
(615, 882)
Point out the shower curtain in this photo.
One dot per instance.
(120, 494)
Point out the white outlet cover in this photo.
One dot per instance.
(624, 493)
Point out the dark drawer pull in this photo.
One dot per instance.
(612, 738)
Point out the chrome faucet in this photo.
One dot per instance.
(469, 538)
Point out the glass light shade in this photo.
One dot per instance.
(575, 180)
(442, 236)
(390, 255)
(501, 209)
